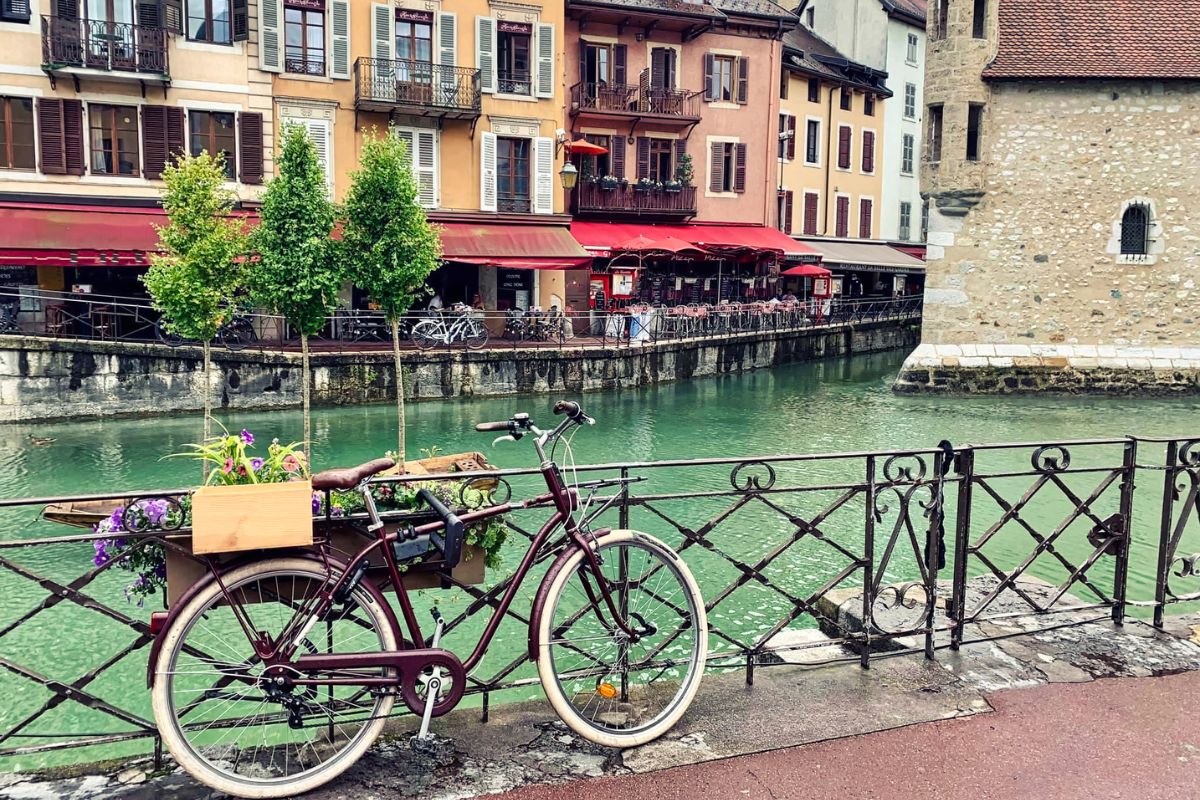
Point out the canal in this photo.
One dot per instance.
(842, 405)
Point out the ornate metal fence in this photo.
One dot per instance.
(802, 559)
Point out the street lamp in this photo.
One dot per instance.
(569, 175)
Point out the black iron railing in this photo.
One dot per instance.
(514, 81)
(437, 88)
(513, 203)
(639, 100)
(304, 66)
(595, 196)
(107, 46)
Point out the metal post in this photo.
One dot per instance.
(965, 467)
(1121, 568)
(934, 541)
(623, 509)
(486, 700)
(1164, 533)
(864, 657)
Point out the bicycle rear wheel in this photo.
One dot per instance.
(426, 334)
(476, 335)
(605, 687)
(237, 334)
(232, 727)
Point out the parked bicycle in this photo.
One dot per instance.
(273, 675)
(458, 324)
(237, 334)
(8, 321)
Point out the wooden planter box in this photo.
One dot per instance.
(256, 516)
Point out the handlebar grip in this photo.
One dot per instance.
(568, 407)
(485, 427)
(451, 542)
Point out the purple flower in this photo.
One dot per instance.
(316, 503)
(116, 522)
(256, 464)
(338, 511)
(156, 511)
(247, 436)
(102, 557)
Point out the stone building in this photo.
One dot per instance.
(1061, 161)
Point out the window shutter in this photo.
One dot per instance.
(784, 80)
(709, 83)
(270, 47)
(487, 171)
(843, 217)
(448, 57)
(66, 9)
(868, 156)
(545, 61)
(739, 174)
(320, 134)
(616, 157)
(643, 157)
(426, 164)
(787, 212)
(72, 116)
(382, 18)
(810, 214)
(865, 207)
(658, 66)
(743, 84)
(791, 144)
(680, 152)
(154, 141)
(339, 24)
(251, 146)
(149, 13)
(51, 147)
(543, 175)
(172, 15)
(485, 61)
(620, 60)
(176, 124)
(716, 167)
(844, 133)
(672, 56)
(14, 10)
(241, 20)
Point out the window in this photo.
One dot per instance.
(974, 130)
(14, 10)
(842, 223)
(513, 68)
(934, 146)
(906, 153)
(783, 211)
(1135, 230)
(723, 78)
(726, 156)
(597, 65)
(812, 142)
(209, 21)
(911, 55)
(925, 221)
(847, 100)
(593, 167)
(414, 37)
(905, 221)
(814, 90)
(213, 132)
(304, 37)
(868, 152)
(17, 150)
(845, 134)
(812, 203)
(869, 105)
(979, 20)
(784, 78)
(787, 137)
(866, 210)
(910, 101)
(810, 17)
(727, 167)
(512, 174)
(114, 139)
(940, 16)
(662, 166)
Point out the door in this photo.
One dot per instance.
(414, 56)
(109, 35)
(595, 73)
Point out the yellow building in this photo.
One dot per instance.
(475, 89)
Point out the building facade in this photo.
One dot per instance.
(1060, 163)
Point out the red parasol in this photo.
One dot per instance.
(584, 147)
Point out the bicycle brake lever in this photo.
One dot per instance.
(506, 438)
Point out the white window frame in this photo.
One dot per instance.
(910, 93)
(911, 54)
(820, 135)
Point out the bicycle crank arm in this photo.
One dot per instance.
(408, 664)
(433, 686)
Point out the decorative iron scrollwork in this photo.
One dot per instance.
(1188, 566)
(1189, 454)
(904, 467)
(1051, 458)
(753, 482)
(484, 491)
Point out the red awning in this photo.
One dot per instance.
(512, 246)
(56, 235)
(601, 238)
(807, 271)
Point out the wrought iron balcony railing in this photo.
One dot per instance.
(303, 66)
(593, 197)
(439, 89)
(514, 81)
(513, 203)
(628, 99)
(107, 46)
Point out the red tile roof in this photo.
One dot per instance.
(1098, 39)
(913, 8)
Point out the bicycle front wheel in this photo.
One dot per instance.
(426, 334)
(610, 689)
(476, 335)
(240, 732)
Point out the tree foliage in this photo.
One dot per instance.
(298, 275)
(198, 274)
(388, 244)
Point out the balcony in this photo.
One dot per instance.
(626, 200)
(116, 50)
(634, 101)
(416, 87)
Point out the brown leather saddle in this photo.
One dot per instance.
(349, 477)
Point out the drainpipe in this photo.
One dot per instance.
(828, 163)
(773, 125)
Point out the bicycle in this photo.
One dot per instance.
(464, 327)
(274, 675)
(236, 334)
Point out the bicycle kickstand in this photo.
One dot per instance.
(433, 686)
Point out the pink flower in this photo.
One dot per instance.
(290, 463)
(228, 468)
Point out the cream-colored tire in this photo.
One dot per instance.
(212, 773)
(616, 736)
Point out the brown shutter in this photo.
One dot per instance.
(66, 9)
(709, 83)
(176, 144)
(643, 157)
(739, 174)
(14, 10)
(620, 59)
(865, 208)
(241, 20)
(173, 15)
(716, 167)
(73, 136)
(810, 214)
(868, 158)
(791, 145)
(787, 211)
(843, 217)
(680, 152)
(162, 138)
(251, 148)
(844, 134)
(743, 84)
(658, 67)
(783, 84)
(671, 66)
(149, 13)
(616, 157)
(583, 48)
(51, 146)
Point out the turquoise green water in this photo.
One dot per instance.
(823, 407)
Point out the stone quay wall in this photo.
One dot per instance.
(46, 379)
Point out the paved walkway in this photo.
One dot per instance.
(1113, 738)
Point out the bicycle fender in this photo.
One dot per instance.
(539, 600)
(200, 585)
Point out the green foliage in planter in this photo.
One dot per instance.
(683, 170)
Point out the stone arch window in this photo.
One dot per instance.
(1137, 233)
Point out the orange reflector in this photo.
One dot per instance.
(606, 690)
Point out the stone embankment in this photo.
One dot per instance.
(46, 379)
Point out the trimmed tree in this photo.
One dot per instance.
(196, 278)
(390, 248)
(297, 275)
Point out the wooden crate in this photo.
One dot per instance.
(229, 519)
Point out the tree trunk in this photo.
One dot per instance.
(399, 391)
(206, 467)
(306, 394)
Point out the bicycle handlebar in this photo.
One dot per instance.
(485, 427)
